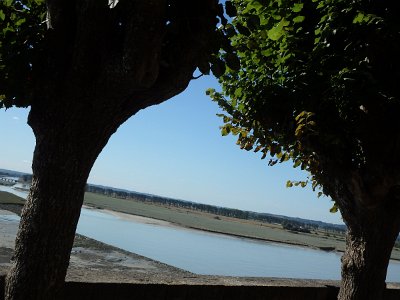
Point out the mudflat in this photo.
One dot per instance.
(93, 261)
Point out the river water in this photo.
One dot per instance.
(213, 254)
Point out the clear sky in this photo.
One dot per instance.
(176, 150)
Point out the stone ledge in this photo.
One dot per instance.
(121, 291)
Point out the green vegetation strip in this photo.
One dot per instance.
(8, 198)
(206, 222)
(209, 222)
(213, 223)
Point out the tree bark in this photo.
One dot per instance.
(97, 67)
(63, 158)
(371, 235)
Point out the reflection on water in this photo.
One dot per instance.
(213, 254)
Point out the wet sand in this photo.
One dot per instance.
(95, 261)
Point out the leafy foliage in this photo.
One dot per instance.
(317, 84)
(21, 34)
(26, 39)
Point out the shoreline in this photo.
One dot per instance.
(238, 228)
(95, 261)
(147, 220)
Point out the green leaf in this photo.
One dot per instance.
(225, 130)
(238, 92)
(267, 52)
(276, 32)
(20, 21)
(289, 184)
(299, 130)
(226, 119)
(297, 163)
(209, 92)
(299, 19)
(333, 209)
(358, 18)
(2, 15)
(235, 130)
(297, 7)
(254, 5)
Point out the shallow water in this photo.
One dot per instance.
(10, 189)
(213, 254)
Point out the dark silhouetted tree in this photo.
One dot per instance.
(84, 67)
(316, 82)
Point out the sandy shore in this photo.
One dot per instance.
(95, 261)
(135, 218)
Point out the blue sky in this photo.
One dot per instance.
(176, 150)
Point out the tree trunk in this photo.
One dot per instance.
(63, 158)
(97, 67)
(370, 238)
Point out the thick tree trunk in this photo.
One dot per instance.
(97, 67)
(369, 242)
(63, 158)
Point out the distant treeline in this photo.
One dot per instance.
(217, 210)
(4, 172)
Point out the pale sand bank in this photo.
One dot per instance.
(135, 218)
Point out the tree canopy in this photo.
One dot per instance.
(84, 67)
(317, 83)
(21, 35)
(28, 27)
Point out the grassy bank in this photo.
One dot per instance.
(11, 202)
(8, 198)
(220, 224)
(207, 222)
